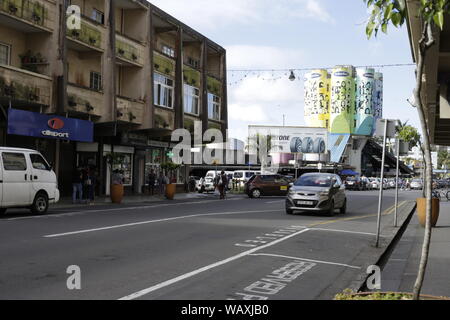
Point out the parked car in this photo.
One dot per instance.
(28, 181)
(416, 184)
(355, 183)
(391, 183)
(320, 192)
(267, 185)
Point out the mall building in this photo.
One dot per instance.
(82, 79)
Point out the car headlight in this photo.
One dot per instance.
(324, 193)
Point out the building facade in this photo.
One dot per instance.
(128, 67)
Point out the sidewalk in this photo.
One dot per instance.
(400, 272)
(66, 202)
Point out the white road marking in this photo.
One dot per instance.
(56, 215)
(275, 201)
(304, 259)
(206, 268)
(344, 231)
(152, 221)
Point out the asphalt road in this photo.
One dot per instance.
(238, 248)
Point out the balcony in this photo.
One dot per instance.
(129, 110)
(84, 100)
(129, 52)
(22, 86)
(29, 15)
(89, 37)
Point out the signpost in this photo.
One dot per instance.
(385, 128)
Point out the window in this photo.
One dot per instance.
(213, 106)
(38, 162)
(193, 62)
(125, 167)
(14, 161)
(191, 99)
(4, 53)
(95, 81)
(168, 50)
(163, 91)
(98, 16)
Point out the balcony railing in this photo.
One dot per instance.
(129, 50)
(21, 85)
(90, 34)
(84, 100)
(129, 110)
(38, 13)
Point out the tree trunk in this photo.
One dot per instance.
(424, 44)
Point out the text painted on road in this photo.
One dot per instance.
(269, 237)
(274, 282)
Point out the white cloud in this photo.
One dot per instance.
(246, 56)
(204, 14)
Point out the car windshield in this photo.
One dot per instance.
(350, 179)
(314, 181)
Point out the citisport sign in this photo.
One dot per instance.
(56, 124)
(26, 123)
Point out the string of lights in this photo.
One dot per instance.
(237, 76)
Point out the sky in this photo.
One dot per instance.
(294, 34)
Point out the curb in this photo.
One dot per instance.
(389, 248)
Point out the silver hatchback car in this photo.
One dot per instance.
(320, 192)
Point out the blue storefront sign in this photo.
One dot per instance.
(26, 123)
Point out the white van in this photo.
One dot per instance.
(244, 175)
(207, 183)
(26, 180)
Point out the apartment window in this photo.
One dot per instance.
(168, 51)
(98, 16)
(95, 82)
(163, 91)
(193, 62)
(191, 99)
(213, 106)
(4, 53)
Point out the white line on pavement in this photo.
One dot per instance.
(303, 259)
(345, 231)
(275, 201)
(208, 267)
(56, 215)
(152, 221)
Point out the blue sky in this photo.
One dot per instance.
(285, 34)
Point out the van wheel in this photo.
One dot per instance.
(40, 204)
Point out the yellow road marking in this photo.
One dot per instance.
(385, 212)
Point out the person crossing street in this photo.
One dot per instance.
(221, 182)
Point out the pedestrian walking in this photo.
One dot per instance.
(221, 182)
(91, 182)
(77, 186)
(162, 181)
(151, 182)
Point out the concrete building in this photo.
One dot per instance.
(131, 69)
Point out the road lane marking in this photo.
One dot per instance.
(275, 201)
(73, 213)
(153, 221)
(206, 268)
(279, 233)
(385, 212)
(304, 259)
(345, 231)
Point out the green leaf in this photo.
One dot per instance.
(439, 19)
(396, 19)
(384, 27)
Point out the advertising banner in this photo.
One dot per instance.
(317, 102)
(292, 139)
(365, 79)
(26, 123)
(377, 98)
(342, 100)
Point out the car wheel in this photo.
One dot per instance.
(3, 210)
(343, 210)
(256, 193)
(40, 204)
(330, 212)
(289, 211)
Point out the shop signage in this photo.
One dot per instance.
(26, 123)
